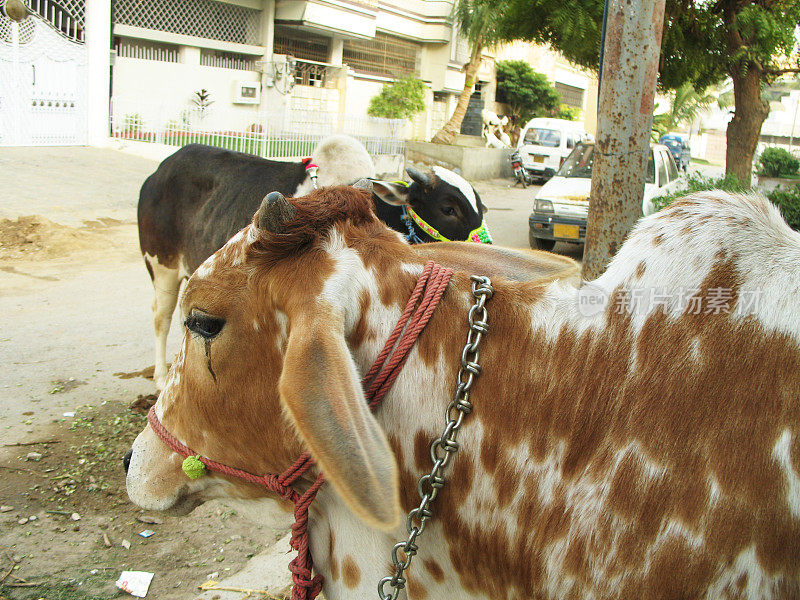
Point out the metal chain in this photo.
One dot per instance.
(445, 446)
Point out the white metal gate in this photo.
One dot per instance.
(43, 75)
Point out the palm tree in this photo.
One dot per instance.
(475, 19)
(686, 104)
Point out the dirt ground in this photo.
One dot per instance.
(76, 338)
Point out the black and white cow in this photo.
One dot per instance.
(436, 207)
(200, 196)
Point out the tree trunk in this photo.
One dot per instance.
(624, 122)
(448, 133)
(745, 127)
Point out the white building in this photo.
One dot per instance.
(319, 60)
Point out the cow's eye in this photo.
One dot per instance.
(204, 325)
(449, 211)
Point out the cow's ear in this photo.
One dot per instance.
(392, 192)
(321, 389)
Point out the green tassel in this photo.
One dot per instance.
(193, 467)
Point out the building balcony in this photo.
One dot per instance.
(337, 17)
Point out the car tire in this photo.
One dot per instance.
(539, 243)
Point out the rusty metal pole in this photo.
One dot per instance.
(624, 120)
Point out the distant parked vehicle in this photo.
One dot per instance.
(520, 173)
(544, 144)
(561, 207)
(679, 148)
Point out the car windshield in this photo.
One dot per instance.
(538, 136)
(579, 164)
(673, 143)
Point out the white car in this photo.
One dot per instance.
(544, 144)
(561, 207)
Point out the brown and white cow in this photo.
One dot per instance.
(635, 438)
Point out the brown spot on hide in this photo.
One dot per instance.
(332, 554)
(435, 569)
(351, 574)
(416, 591)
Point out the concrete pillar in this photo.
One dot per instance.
(98, 48)
(268, 29)
(337, 51)
(189, 55)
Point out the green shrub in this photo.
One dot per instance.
(399, 100)
(788, 202)
(698, 183)
(569, 113)
(777, 162)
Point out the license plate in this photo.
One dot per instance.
(538, 159)
(571, 232)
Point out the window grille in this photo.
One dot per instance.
(200, 18)
(25, 29)
(227, 60)
(146, 50)
(459, 46)
(301, 45)
(315, 75)
(570, 95)
(66, 17)
(386, 55)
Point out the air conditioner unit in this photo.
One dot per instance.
(247, 92)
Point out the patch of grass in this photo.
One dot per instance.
(50, 591)
(94, 463)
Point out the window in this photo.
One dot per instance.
(570, 95)
(673, 170)
(651, 168)
(301, 45)
(579, 163)
(539, 136)
(662, 170)
(386, 55)
(572, 140)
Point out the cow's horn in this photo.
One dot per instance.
(363, 184)
(274, 212)
(421, 178)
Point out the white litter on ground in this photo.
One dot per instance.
(136, 583)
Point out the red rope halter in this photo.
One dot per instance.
(423, 301)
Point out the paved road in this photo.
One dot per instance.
(86, 315)
(69, 185)
(509, 209)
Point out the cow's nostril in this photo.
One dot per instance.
(126, 460)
